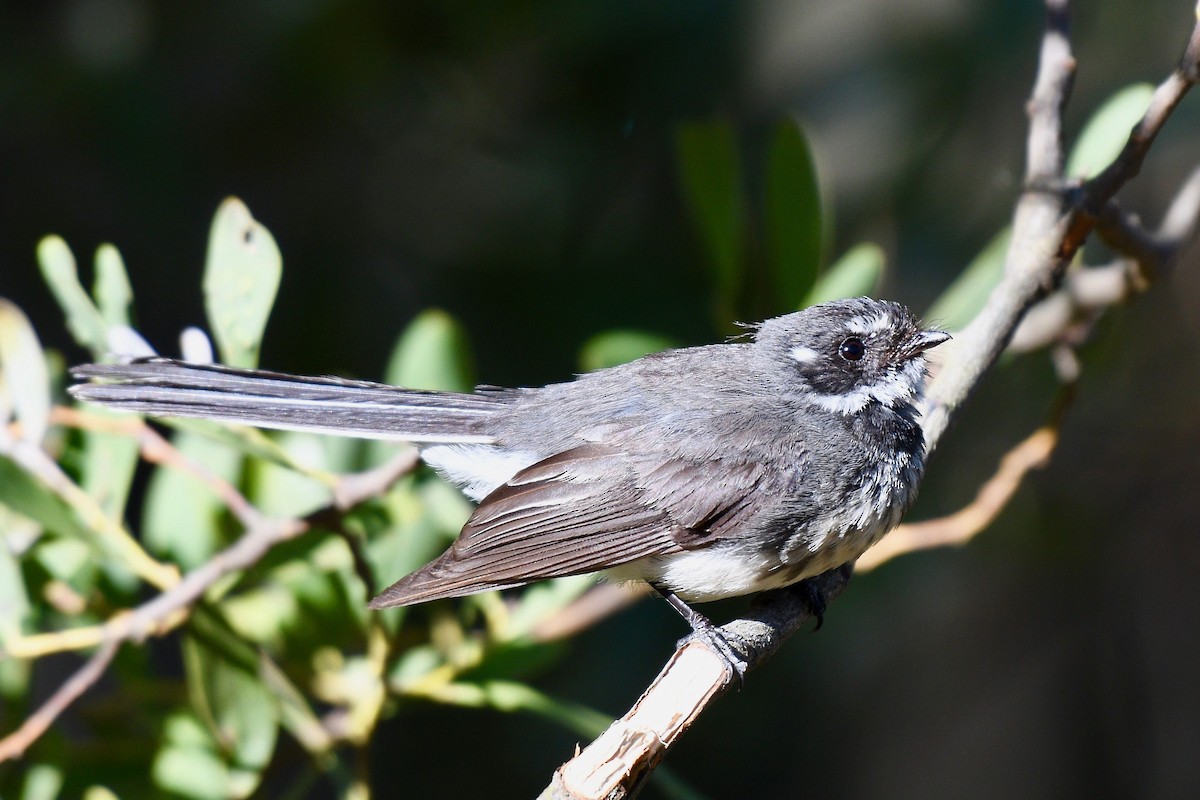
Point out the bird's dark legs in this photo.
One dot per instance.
(703, 629)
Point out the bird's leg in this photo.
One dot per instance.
(703, 629)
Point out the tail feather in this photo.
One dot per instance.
(166, 387)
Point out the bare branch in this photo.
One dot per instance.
(16, 743)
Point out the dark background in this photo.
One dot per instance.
(514, 164)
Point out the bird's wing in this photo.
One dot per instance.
(583, 510)
(574, 512)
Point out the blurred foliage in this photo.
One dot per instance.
(281, 681)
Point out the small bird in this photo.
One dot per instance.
(707, 472)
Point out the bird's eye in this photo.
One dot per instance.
(852, 349)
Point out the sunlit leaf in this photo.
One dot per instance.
(227, 693)
(182, 516)
(283, 492)
(24, 494)
(241, 277)
(711, 175)
(1107, 131)
(858, 272)
(100, 793)
(83, 318)
(114, 295)
(65, 559)
(107, 467)
(431, 354)
(24, 380)
(14, 599)
(794, 224)
(610, 348)
(188, 764)
(42, 782)
(966, 296)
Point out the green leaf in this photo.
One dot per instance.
(42, 782)
(107, 466)
(610, 348)
(26, 495)
(432, 354)
(280, 491)
(24, 380)
(68, 560)
(241, 277)
(100, 793)
(856, 273)
(84, 321)
(182, 516)
(14, 598)
(112, 290)
(711, 175)
(188, 763)
(1107, 131)
(242, 715)
(966, 296)
(795, 228)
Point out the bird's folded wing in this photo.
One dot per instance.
(583, 510)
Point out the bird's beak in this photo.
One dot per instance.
(925, 340)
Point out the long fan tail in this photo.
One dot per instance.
(166, 387)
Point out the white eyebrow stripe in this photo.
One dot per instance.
(804, 354)
(866, 325)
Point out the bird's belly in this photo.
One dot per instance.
(710, 573)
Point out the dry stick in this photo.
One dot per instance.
(170, 608)
(14, 745)
(1048, 228)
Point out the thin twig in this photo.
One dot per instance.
(16, 743)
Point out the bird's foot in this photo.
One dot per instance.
(729, 647)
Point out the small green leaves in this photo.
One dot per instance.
(84, 320)
(241, 276)
(856, 273)
(114, 295)
(1107, 131)
(24, 380)
(794, 223)
(610, 348)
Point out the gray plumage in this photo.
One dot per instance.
(709, 471)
